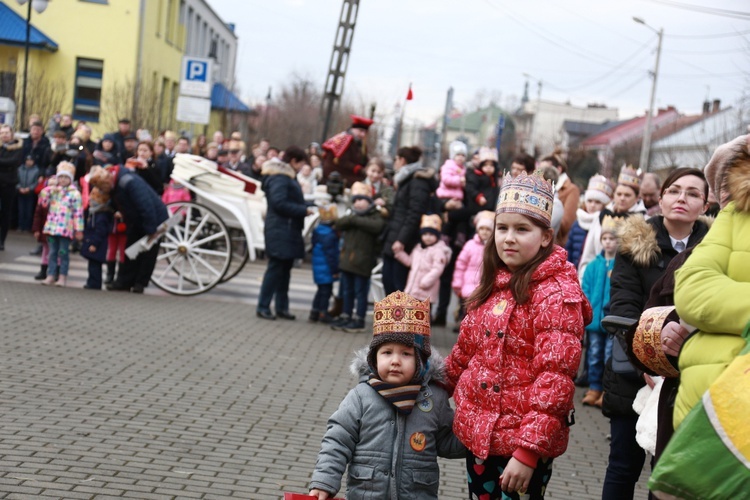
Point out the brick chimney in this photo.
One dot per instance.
(716, 105)
(706, 107)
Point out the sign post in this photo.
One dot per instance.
(194, 101)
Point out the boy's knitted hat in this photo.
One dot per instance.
(401, 318)
(485, 218)
(599, 189)
(67, 169)
(328, 213)
(431, 224)
(456, 148)
(630, 177)
(527, 194)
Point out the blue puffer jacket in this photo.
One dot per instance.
(574, 245)
(285, 216)
(141, 207)
(325, 254)
(95, 232)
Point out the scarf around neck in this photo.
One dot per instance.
(402, 397)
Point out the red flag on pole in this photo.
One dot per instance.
(410, 94)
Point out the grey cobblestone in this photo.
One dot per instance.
(110, 395)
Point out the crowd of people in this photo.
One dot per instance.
(538, 269)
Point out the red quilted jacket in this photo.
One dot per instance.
(512, 367)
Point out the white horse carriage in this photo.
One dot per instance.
(210, 239)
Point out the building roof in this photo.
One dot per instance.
(223, 98)
(587, 128)
(630, 129)
(472, 122)
(13, 32)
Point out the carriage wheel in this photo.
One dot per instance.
(240, 254)
(195, 253)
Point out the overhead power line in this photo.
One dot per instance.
(716, 35)
(736, 14)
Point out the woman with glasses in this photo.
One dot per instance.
(647, 247)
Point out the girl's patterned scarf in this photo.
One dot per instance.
(402, 397)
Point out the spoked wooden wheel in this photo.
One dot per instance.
(195, 253)
(240, 254)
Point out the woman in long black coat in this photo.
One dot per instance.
(285, 218)
(414, 187)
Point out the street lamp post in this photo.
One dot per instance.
(531, 146)
(39, 6)
(646, 145)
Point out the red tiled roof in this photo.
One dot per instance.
(630, 129)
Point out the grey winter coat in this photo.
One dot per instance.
(379, 445)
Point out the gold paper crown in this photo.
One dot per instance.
(600, 183)
(361, 189)
(431, 222)
(647, 340)
(328, 212)
(402, 313)
(527, 194)
(629, 176)
(611, 224)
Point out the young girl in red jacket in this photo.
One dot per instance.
(518, 350)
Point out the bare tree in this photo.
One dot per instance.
(45, 95)
(144, 109)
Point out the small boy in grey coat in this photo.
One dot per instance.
(390, 429)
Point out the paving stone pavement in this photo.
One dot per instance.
(114, 395)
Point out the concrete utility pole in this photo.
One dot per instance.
(342, 46)
(444, 128)
(643, 163)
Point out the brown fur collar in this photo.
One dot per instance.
(739, 185)
(638, 239)
(275, 167)
(425, 173)
(12, 146)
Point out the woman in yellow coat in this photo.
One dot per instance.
(712, 289)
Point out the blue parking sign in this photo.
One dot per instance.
(196, 77)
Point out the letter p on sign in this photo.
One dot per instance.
(197, 71)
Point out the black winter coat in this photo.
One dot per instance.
(645, 252)
(412, 201)
(141, 207)
(41, 152)
(285, 215)
(479, 184)
(11, 157)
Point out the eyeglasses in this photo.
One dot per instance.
(690, 194)
(234, 151)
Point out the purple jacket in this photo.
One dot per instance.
(427, 264)
(468, 267)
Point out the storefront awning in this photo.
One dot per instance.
(13, 32)
(222, 98)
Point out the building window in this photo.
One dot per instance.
(88, 89)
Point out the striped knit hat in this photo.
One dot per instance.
(401, 318)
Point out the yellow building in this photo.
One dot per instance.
(99, 60)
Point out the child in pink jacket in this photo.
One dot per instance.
(427, 261)
(469, 262)
(453, 173)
